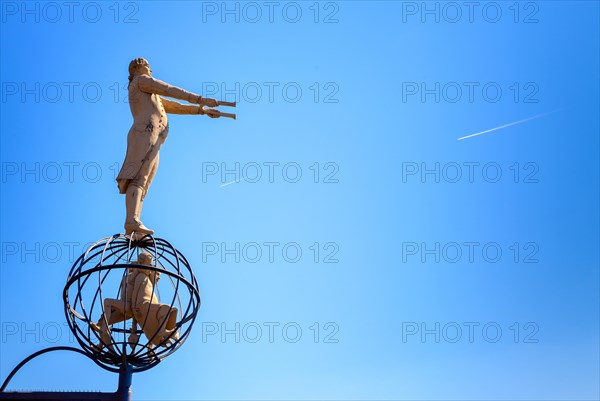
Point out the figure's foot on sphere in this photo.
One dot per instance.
(98, 347)
(105, 337)
(137, 227)
(102, 344)
(171, 337)
(151, 353)
(165, 338)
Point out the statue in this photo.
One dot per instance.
(138, 301)
(165, 327)
(149, 131)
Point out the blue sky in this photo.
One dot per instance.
(446, 269)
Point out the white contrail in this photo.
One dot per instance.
(506, 125)
(231, 182)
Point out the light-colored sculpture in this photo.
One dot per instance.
(138, 301)
(149, 131)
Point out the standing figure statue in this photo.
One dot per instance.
(148, 132)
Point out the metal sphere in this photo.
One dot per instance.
(101, 277)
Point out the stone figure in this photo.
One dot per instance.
(157, 321)
(138, 301)
(149, 131)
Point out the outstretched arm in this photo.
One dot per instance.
(173, 107)
(151, 85)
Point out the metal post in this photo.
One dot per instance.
(124, 392)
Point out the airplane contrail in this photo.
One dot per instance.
(506, 125)
(231, 182)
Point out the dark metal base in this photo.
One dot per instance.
(59, 396)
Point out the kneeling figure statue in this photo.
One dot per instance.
(138, 301)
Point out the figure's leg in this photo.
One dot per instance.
(136, 192)
(134, 337)
(160, 326)
(103, 327)
(169, 331)
(133, 205)
(151, 174)
(113, 313)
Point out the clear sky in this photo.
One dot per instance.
(406, 264)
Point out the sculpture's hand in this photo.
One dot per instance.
(212, 113)
(207, 101)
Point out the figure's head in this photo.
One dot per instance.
(139, 66)
(145, 258)
(154, 276)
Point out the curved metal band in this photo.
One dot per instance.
(36, 354)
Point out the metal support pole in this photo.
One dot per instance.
(124, 392)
